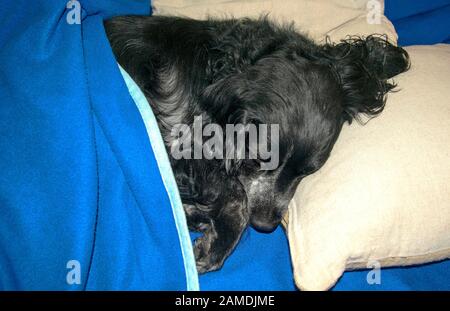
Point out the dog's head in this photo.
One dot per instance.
(309, 92)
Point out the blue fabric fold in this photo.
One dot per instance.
(79, 179)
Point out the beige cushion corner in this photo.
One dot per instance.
(384, 193)
(317, 18)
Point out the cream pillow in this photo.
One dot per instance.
(384, 193)
(317, 18)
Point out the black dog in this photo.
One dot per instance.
(250, 72)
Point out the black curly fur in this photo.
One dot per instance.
(250, 71)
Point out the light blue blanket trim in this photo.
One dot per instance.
(168, 179)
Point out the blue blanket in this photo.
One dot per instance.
(83, 204)
(420, 22)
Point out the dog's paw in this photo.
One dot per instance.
(196, 219)
(205, 257)
(199, 227)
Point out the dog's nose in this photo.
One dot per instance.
(264, 226)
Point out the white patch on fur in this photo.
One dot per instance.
(260, 185)
(173, 104)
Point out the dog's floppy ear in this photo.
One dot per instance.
(363, 67)
(226, 103)
(223, 99)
